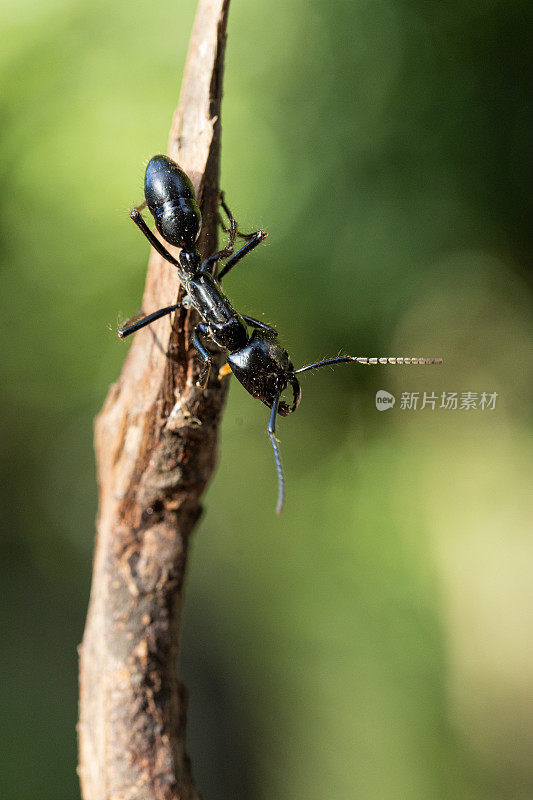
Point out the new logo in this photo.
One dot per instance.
(384, 400)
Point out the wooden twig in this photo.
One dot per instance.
(155, 441)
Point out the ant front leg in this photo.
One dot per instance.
(202, 330)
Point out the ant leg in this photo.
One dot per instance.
(257, 239)
(206, 357)
(255, 323)
(228, 249)
(253, 239)
(136, 216)
(141, 323)
(245, 236)
(277, 456)
(209, 262)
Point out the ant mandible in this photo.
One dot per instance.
(258, 361)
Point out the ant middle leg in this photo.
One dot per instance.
(207, 358)
(147, 320)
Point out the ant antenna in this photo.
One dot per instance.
(277, 455)
(399, 360)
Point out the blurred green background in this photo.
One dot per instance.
(376, 642)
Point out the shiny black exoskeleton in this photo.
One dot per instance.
(169, 196)
(171, 200)
(257, 360)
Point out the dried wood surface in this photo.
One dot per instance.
(155, 441)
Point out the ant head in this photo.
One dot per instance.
(263, 367)
(171, 200)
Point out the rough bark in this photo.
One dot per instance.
(155, 441)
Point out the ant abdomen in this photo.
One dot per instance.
(171, 200)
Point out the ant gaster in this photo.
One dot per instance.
(258, 361)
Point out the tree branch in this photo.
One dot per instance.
(155, 441)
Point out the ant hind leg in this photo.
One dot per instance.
(232, 233)
(246, 236)
(251, 239)
(257, 239)
(136, 216)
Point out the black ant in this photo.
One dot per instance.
(258, 361)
